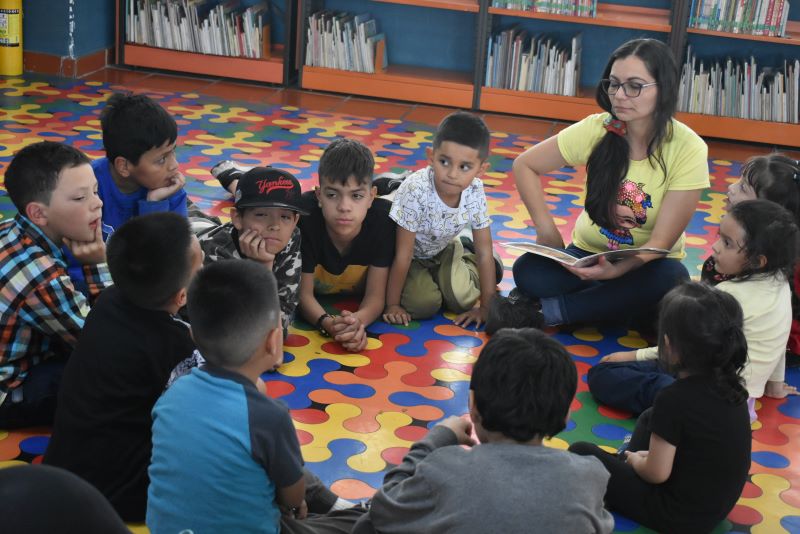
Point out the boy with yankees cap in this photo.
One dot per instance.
(263, 229)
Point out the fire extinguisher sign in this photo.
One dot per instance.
(9, 27)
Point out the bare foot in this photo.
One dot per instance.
(779, 390)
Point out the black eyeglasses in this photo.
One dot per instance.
(631, 89)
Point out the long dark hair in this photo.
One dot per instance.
(608, 163)
(703, 327)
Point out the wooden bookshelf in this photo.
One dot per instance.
(612, 15)
(470, 6)
(259, 70)
(772, 133)
(792, 35)
(397, 82)
(572, 108)
(276, 69)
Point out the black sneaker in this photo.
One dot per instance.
(388, 182)
(227, 171)
(514, 311)
(469, 246)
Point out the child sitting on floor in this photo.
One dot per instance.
(249, 465)
(775, 177)
(431, 267)
(521, 389)
(263, 229)
(688, 459)
(756, 250)
(41, 311)
(348, 243)
(131, 342)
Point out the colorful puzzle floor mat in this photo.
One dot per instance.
(357, 414)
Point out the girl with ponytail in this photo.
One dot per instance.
(644, 175)
(688, 459)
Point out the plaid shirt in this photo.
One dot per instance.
(41, 312)
(222, 243)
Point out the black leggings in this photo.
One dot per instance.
(628, 493)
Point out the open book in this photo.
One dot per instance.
(567, 259)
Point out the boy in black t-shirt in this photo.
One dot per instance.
(347, 245)
(130, 343)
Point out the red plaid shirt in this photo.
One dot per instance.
(41, 312)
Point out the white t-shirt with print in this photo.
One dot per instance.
(418, 208)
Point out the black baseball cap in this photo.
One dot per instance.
(268, 187)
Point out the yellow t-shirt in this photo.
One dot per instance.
(642, 190)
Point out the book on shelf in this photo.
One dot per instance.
(536, 63)
(565, 258)
(575, 8)
(343, 41)
(753, 17)
(739, 88)
(202, 26)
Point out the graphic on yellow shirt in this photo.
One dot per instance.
(631, 212)
(352, 280)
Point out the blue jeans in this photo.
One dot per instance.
(630, 386)
(566, 299)
(39, 394)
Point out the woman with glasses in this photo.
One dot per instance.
(645, 172)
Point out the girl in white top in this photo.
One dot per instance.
(757, 250)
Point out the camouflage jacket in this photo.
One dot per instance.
(222, 243)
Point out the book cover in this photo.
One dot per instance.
(567, 259)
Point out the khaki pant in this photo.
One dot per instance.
(449, 279)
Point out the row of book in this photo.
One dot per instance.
(738, 88)
(577, 8)
(754, 17)
(202, 26)
(523, 62)
(344, 41)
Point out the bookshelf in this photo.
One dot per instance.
(770, 51)
(414, 73)
(437, 51)
(626, 21)
(276, 69)
(611, 15)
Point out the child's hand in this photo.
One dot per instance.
(396, 314)
(255, 248)
(301, 512)
(623, 356)
(461, 427)
(636, 458)
(477, 315)
(89, 252)
(176, 183)
(349, 331)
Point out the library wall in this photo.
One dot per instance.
(46, 26)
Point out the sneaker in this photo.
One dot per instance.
(388, 182)
(514, 311)
(469, 246)
(227, 171)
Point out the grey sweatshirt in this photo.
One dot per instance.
(441, 487)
